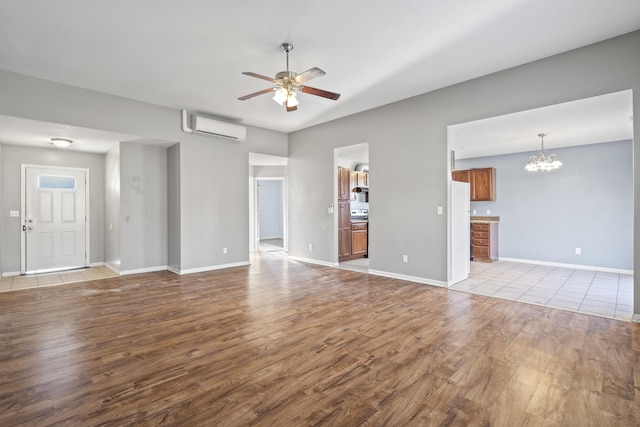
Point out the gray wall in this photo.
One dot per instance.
(173, 207)
(409, 159)
(587, 203)
(143, 207)
(12, 158)
(268, 171)
(270, 207)
(112, 208)
(214, 192)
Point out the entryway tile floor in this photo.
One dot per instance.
(584, 291)
(12, 283)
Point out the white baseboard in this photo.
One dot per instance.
(313, 261)
(409, 278)
(576, 266)
(635, 318)
(144, 270)
(10, 273)
(208, 268)
(374, 272)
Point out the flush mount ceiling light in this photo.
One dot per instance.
(288, 83)
(543, 162)
(61, 142)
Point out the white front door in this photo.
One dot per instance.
(54, 220)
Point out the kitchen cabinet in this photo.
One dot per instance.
(484, 241)
(344, 230)
(358, 179)
(482, 182)
(359, 242)
(344, 183)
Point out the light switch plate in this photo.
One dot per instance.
(14, 214)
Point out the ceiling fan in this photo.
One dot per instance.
(288, 83)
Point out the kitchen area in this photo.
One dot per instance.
(483, 228)
(353, 213)
(353, 207)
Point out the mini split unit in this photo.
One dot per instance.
(216, 128)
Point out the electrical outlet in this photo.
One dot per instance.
(14, 214)
(224, 250)
(405, 258)
(439, 210)
(578, 251)
(488, 211)
(310, 247)
(474, 212)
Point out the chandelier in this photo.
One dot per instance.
(543, 162)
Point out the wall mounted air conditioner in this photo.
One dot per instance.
(206, 126)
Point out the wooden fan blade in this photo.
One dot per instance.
(311, 73)
(260, 76)
(320, 92)
(294, 108)
(262, 92)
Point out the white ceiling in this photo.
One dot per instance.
(604, 118)
(191, 54)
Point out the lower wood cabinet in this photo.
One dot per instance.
(359, 242)
(484, 242)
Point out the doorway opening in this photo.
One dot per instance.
(268, 224)
(544, 255)
(270, 214)
(351, 223)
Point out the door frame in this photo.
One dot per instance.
(23, 211)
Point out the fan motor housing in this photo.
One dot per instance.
(285, 74)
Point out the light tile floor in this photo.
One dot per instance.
(591, 292)
(584, 291)
(12, 283)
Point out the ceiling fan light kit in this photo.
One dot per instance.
(288, 83)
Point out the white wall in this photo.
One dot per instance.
(409, 159)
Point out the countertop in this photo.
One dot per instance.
(484, 219)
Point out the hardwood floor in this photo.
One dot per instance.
(291, 344)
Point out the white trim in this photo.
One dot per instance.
(313, 261)
(576, 266)
(10, 273)
(635, 318)
(409, 278)
(143, 270)
(23, 202)
(112, 268)
(209, 268)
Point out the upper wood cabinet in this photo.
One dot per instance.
(362, 179)
(344, 187)
(482, 182)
